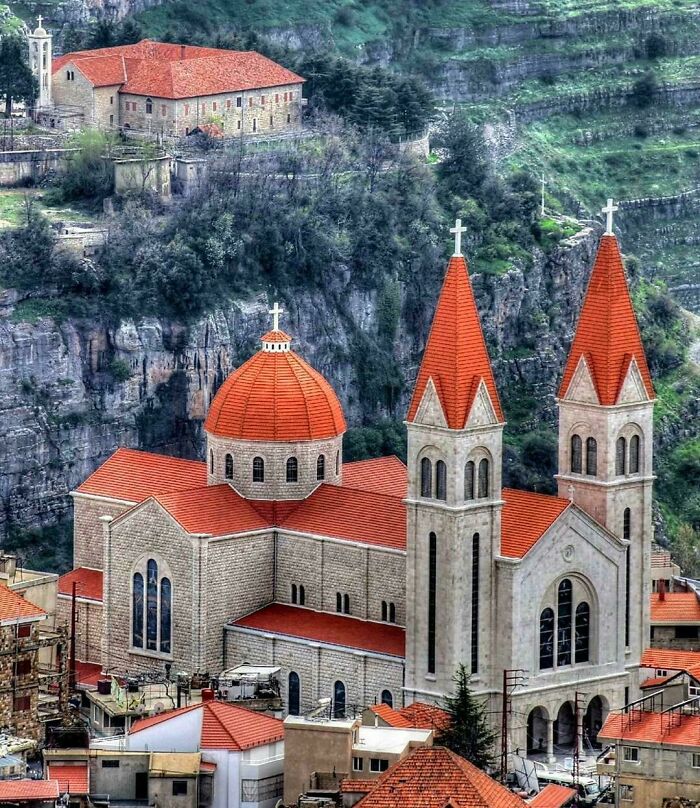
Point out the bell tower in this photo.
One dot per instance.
(40, 56)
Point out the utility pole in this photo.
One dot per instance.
(511, 679)
(576, 770)
(71, 678)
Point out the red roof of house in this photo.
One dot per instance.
(28, 790)
(390, 716)
(553, 796)
(334, 629)
(426, 716)
(526, 517)
(207, 767)
(275, 396)
(676, 607)
(356, 786)
(380, 475)
(649, 727)
(657, 681)
(164, 70)
(434, 777)
(225, 726)
(455, 357)
(133, 476)
(71, 777)
(14, 608)
(607, 335)
(88, 583)
(87, 673)
(667, 659)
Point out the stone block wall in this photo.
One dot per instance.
(88, 629)
(23, 721)
(88, 530)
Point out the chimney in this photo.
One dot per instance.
(182, 51)
(662, 589)
(207, 694)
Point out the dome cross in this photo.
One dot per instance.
(39, 19)
(458, 230)
(275, 311)
(608, 210)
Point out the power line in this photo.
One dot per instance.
(512, 678)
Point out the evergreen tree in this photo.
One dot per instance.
(16, 79)
(468, 734)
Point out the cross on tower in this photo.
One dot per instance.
(39, 19)
(458, 230)
(275, 311)
(608, 210)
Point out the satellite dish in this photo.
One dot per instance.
(158, 707)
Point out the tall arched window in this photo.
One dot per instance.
(294, 593)
(634, 454)
(338, 602)
(293, 694)
(426, 477)
(591, 457)
(620, 456)
(392, 613)
(441, 480)
(583, 632)
(346, 604)
(339, 700)
(564, 607)
(385, 611)
(152, 605)
(149, 106)
(151, 609)
(211, 461)
(137, 611)
(626, 524)
(292, 470)
(483, 478)
(547, 639)
(337, 463)
(469, 480)
(576, 454)
(387, 698)
(228, 467)
(321, 467)
(258, 470)
(302, 595)
(475, 604)
(432, 597)
(165, 615)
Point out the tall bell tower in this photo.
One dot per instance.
(40, 56)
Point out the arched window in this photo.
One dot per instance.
(211, 461)
(165, 615)
(258, 470)
(483, 478)
(152, 605)
(441, 480)
(338, 602)
(426, 477)
(228, 467)
(346, 604)
(337, 463)
(149, 106)
(576, 454)
(385, 611)
(591, 457)
(392, 613)
(547, 639)
(469, 480)
(321, 467)
(620, 456)
(293, 693)
(432, 595)
(302, 595)
(475, 604)
(387, 698)
(338, 700)
(634, 454)
(626, 524)
(137, 611)
(583, 632)
(294, 593)
(292, 470)
(564, 606)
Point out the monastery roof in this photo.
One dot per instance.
(71, 777)
(380, 475)
(15, 609)
(553, 796)
(224, 726)
(455, 356)
(607, 335)
(435, 777)
(526, 517)
(332, 629)
(28, 790)
(675, 608)
(652, 728)
(88, 583)
(165, 70)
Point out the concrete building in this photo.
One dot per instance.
(663, 569)
(675, 620)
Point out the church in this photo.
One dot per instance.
(373, 581)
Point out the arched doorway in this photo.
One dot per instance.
(565, 729)
(537, 722)
(592, 722)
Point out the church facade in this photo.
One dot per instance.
(373, 581)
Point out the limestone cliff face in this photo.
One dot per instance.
(67, 400)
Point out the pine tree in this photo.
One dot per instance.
(468, 734)
(16, 79)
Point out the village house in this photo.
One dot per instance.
(675, 619)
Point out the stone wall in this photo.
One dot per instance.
(88, 530)
(18, 719)
(89, 624)
(20, 167)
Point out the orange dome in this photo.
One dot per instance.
(275, 396)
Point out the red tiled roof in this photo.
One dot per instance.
(173, 71)
(657, 681)
(667, 659)
(380, 475)
(71, 777)
(676, 607)
(390, 716)
(87, 673)
(225, 726)
(133, 476)
(455, 356)
(649, 727)
(275, 396)
(356, 786)
(276, 336)
(14, 608)
(334, 629)
(88, 583)
(607, 334)
(432, 777)
(553, 796)
(207, 767)
(28, 790)
(426, 716)
(526, 517)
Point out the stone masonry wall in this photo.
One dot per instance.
(88, 542)
(22, 721)
(88, 641)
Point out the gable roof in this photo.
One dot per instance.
(525, 518)
(607, 334)
(675, 608)
(15, 609)
(432, 777)
(553, 796)
(426, 716)
(224, 726)
(390, 716)
(27, 790)
(88, 583)
(652, 728)
(667, 659)
(455, 356)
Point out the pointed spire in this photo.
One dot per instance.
(455, 357)
(607, 335)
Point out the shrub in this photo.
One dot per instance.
(644, 90)
(656, 45)
(640, 130)
(120, 370)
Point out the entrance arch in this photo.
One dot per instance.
(565, 729)
(593, 721)
(537, 721)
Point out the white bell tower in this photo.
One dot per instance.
(40, 55)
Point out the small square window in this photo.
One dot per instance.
(262, 100)
(24, 630)
(228, 103)
(277, 98)
(250, 101)
(22, 704)
(110, 764)
(631, 754)
(111, 99)
(696, 760)
(357, 764)
(378, 764)
(179, 788)
(239, 101)
(626, 792)
(213, 105)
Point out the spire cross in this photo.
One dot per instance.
(458, 230)
(275, 311)
(39, 19)
(608, 210)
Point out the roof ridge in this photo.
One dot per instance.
(209, 706)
